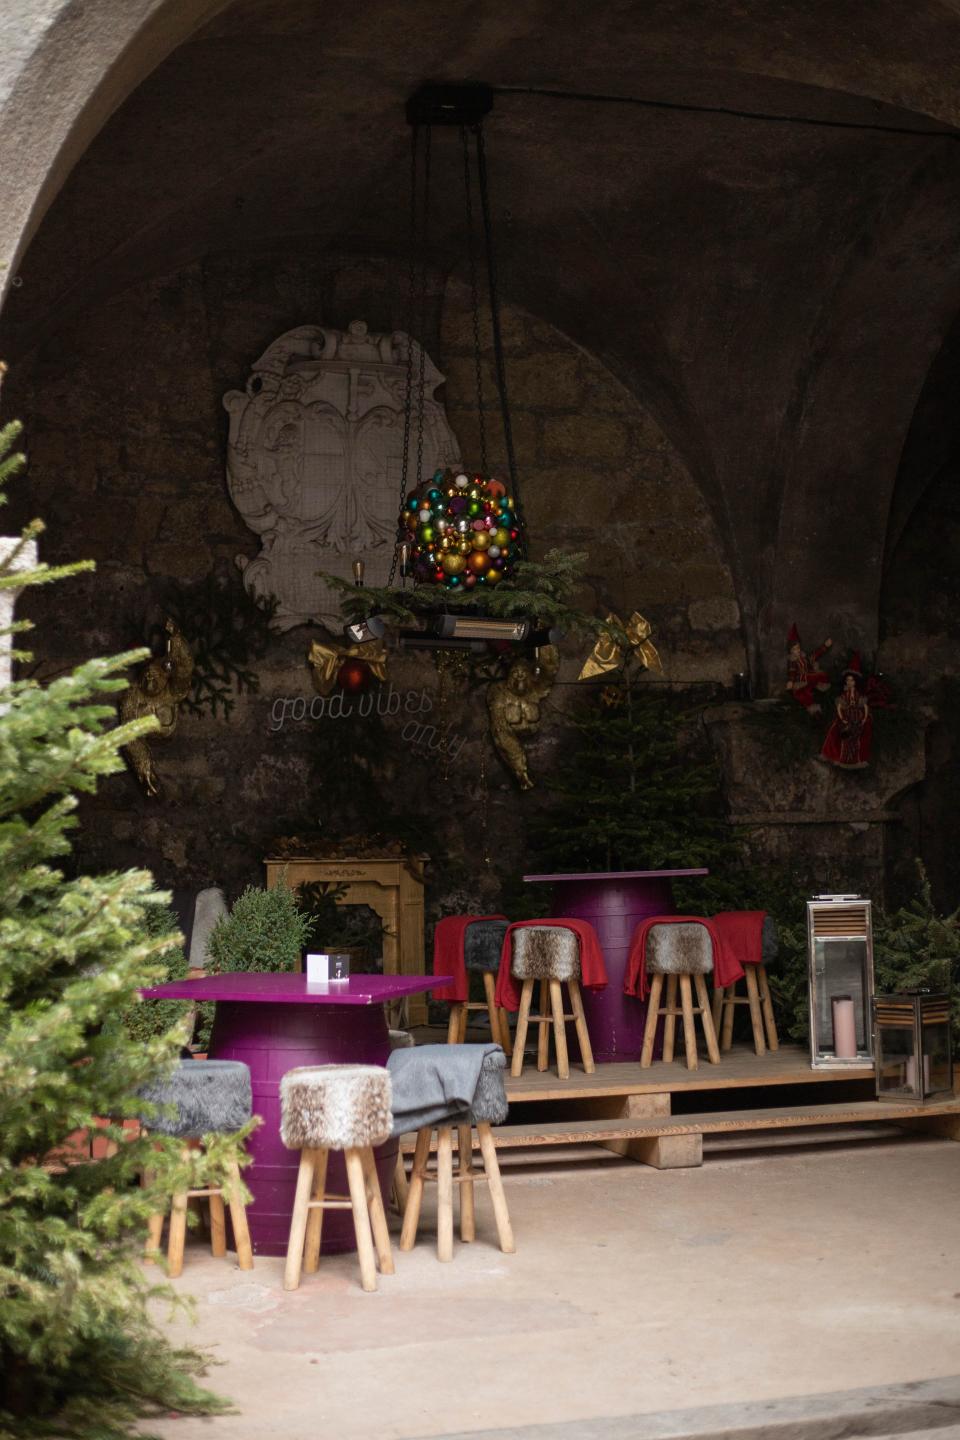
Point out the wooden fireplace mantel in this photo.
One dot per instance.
(392, 887)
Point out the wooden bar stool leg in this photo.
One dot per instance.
(505, 1040)
(154, 1236)
(729, 1009)
(411, 1215)
(238, 1218)
(464, 1018)
(361, 1219)
(495, 1185)
(453, 1024)
(756, 1014)
(580, 1025)
(378, 1216)
(766, 1005)
(717, 1007)
(670, 1023)
(218, 1227)
(559, 1030)
(178, 1235)
(653, 1015)
(445, 1193)
(298, 1221)
(523, 1021)
(494, 1015)
(468, 1221)
(401, 1188)
(689, 1034)
(706, 1020)
(543, 1034)
(314, 1235)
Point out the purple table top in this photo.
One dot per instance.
(290, 989)
(618, 875)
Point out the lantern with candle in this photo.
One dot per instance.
(840, 960)
(913, 1047)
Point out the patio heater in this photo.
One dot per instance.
(840, 961)
(913, 1046)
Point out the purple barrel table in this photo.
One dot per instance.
(274, 1023)
(614, 903)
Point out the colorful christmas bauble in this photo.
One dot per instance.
(462, 530)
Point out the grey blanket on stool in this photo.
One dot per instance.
(434, 1084)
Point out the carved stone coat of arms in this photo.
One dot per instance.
(315, 456)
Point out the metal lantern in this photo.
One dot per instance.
(840, 960)
(912, 1039)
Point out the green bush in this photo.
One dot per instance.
(264, 931)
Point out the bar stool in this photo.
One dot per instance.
(336, 1107)
(482, 944)
(488, 1107)
(207, 1097)
(551, 955)
(682, 952)
(762, 1018)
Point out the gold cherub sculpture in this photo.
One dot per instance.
(514, 706)
(158, 690)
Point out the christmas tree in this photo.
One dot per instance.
(79, 1355)
(629, 793)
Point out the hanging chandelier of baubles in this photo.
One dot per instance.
(462, 531)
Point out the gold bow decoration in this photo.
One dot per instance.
(607, 652)
(325, 661)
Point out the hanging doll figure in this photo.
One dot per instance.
(803, 677)
(849, 738)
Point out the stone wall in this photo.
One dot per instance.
(126, 436)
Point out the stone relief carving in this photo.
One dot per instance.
(315, 455)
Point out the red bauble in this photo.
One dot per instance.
(354, 676)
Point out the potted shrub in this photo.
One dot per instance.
(263, 931)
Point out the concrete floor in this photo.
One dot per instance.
(791, 1271)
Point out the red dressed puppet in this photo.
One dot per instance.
(803, 677)
(849, 737)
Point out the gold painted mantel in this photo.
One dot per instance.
(391, 887)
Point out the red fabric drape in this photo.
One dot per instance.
(448, 937)
(593, 972)
(726, 966)
(742, 933)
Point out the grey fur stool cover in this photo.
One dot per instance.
(401, 1040)
(209, 1096)
(545, 952)
(679, 950)
(482, 944)
(489, 1105)
(335, 1107)
(769, 940)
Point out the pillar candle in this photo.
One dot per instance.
(844, 1028)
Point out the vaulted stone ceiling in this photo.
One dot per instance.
(775, 292)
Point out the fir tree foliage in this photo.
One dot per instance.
(627, 794)
(79, 1354)
(265, 930)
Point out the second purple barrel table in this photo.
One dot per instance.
(274, 1023)
(614, 903)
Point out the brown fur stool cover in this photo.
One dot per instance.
(545, 952)
(335, 1107)
(679, 950)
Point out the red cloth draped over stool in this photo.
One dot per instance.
(742, 933)
(593, 972)
(448, 937)
(726, 967)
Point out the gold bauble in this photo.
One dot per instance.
(464, 547)
(494, 576)
(481, 540)
(453, 564)
(502, 537)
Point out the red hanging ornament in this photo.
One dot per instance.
(354, 676)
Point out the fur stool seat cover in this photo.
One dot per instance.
(489, 1105)
(335, 1107)
(770, 940)
(482, 943)
(679, 950)
(401, 1040)
(208, 1096)
(545, 952)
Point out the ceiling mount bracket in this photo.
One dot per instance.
(445, 104)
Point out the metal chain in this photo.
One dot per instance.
(424, 309)
(501, 369)
(408, 326)
(474, 296)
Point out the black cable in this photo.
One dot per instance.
(723, 110)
